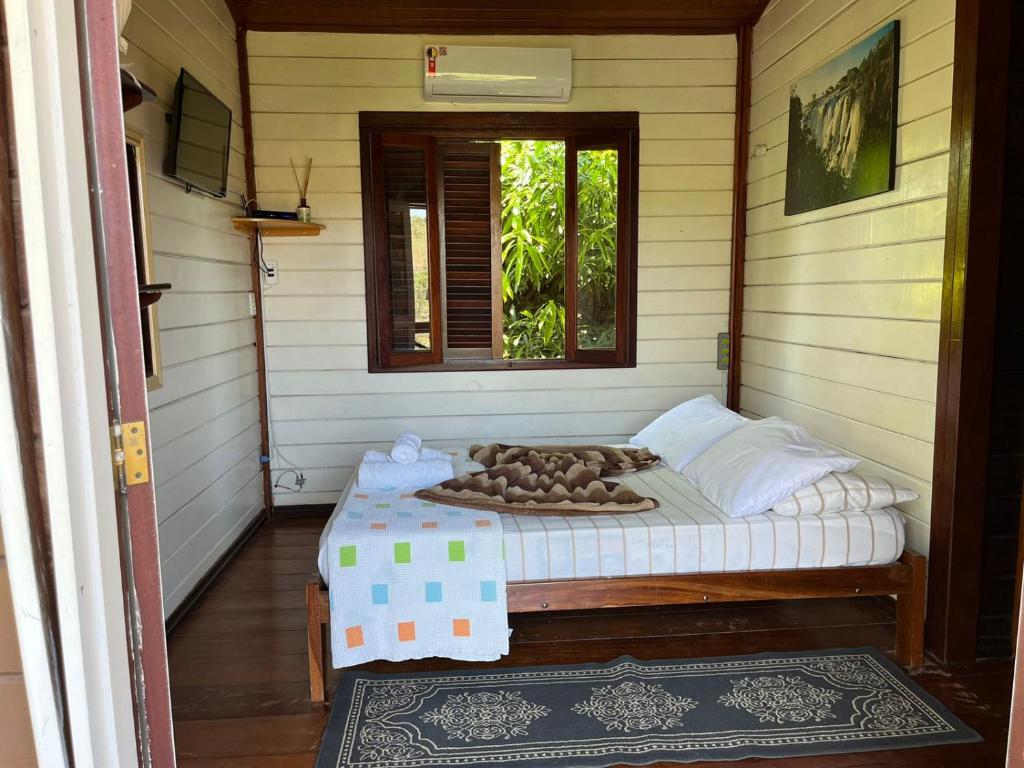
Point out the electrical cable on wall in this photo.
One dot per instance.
(275, 451)
(300, 480)
(261, 263)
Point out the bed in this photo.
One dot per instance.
(686, 551)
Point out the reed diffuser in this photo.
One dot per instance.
(303, 213)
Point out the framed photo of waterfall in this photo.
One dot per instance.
(842, 126)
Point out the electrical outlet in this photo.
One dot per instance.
(270, 275)
(252, 304)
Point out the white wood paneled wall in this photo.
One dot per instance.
(205, 418)
(842, 304)
(307, 90)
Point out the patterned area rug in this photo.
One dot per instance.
(635, 712)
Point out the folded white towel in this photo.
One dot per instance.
(376, 475)
(406, 449)
(424, 453)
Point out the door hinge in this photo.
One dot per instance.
(130, 453)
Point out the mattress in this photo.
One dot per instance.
(686, 534)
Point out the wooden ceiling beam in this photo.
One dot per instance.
(533, 17)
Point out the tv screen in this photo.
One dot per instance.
(200, 137)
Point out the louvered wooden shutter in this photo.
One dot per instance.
(411, 297)
(406, 189)
(471, 194)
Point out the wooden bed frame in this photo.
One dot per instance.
(905, 579)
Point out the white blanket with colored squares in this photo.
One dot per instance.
(409, 579)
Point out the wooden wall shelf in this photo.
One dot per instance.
(278, 227)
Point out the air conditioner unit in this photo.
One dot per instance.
(463, 73)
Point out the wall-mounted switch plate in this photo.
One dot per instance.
(270, 273)
(252, 304)
(723, 351)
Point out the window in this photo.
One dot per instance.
(500, 240)
(149, 292)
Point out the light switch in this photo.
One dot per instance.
(723, 351)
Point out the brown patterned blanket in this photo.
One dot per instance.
(547, 480)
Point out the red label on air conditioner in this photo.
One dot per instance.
(431, 67)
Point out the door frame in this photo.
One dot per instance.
(22, 511)
(71, 389)
(120, 312)
(967, 325)
(61, 240)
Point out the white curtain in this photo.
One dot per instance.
(124, 7)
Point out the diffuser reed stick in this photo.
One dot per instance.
(303, 212)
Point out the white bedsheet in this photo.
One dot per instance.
(686, 534)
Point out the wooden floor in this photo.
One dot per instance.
(239, 675)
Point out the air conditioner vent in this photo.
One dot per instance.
(484, 74)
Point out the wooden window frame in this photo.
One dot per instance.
(580, 130)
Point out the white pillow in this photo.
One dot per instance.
(754, 468)
(843, 491)
(688, 430)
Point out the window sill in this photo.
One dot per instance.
(499, 365)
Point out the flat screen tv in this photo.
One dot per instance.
(200, 137)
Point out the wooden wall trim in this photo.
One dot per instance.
(963, 397)
(498, 28)
(303, 511)
(456, 126)
(744, 44)
(254, 269)
(483, 17)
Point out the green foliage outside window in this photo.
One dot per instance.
(533, 247)
(597, 186)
